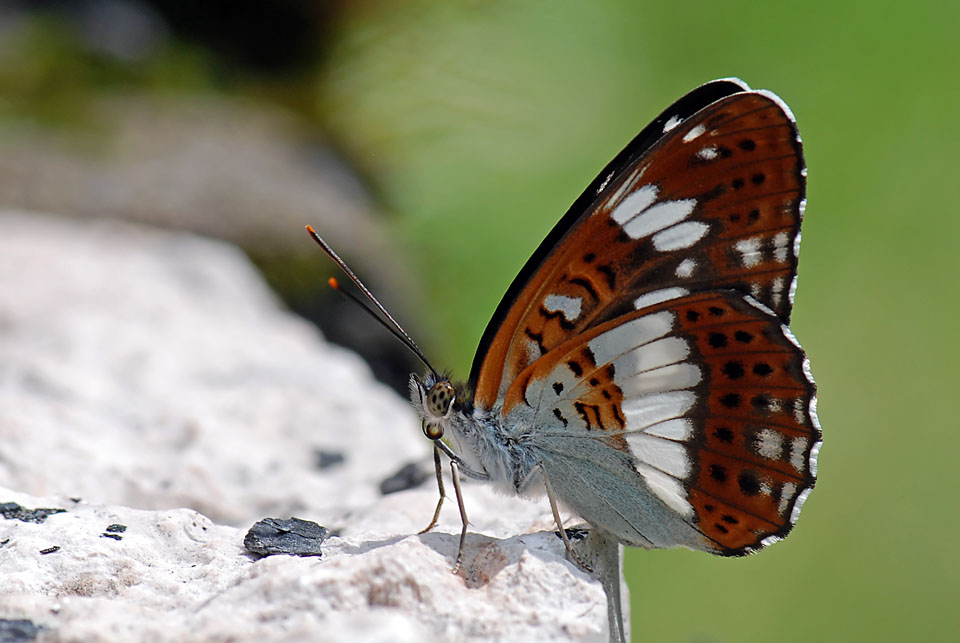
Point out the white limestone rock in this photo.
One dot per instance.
(142, 372)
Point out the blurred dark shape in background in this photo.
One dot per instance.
(279, 37)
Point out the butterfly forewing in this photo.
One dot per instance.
(716, 202)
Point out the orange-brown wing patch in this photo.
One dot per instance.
(716, 203)
(757, 451)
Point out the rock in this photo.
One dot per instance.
(292, 536)
(152, 388)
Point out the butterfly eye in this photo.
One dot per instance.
(440, 399)
(433, 431)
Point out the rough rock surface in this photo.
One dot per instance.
(149, 380)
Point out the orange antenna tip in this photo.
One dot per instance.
(310, 229)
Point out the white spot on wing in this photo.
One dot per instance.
(769, 444)
(694, 133)
(708, 153)
(665, 455)
(673, 377)
(797, 447)
(658, 296)
(786, 495)
(658, 217)
(780, 242)
(569, 307)
(648, 410)
(678, 429)
(749, 250)
(650, 356)
(799, 411)
(685, 268)
(682, 235)
(776, 291)
(669, 490)
(672, 122)
(615, 342)
(634, 204)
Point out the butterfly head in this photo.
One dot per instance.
(436, 399)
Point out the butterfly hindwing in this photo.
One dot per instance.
(686, 423)
(713, 200)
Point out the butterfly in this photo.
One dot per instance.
(640, 370)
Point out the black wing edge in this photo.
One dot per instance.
(682, 109)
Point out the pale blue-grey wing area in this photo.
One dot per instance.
(687, 423)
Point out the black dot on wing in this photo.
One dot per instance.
(717, 340)
(606, 394)
(589, 257)
(730, 400)
(761, 402)
(559, 416)
(758, 178)
(692, 315)
(557, 388)
(753, 215)
(749, 483)
(708, 508)
(738, 183)
(743, 336)
(716, 311)
(729, 519)
(762, 369)
(724, 152)
(733, 370)
(724, 434)
(720, 528)
(747, 145)
(575, 368)
(594, 381)
(718, 473)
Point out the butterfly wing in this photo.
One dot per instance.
(690, 422)
(713, 199)
(644, 344)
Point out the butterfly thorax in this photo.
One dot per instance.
(476, 435)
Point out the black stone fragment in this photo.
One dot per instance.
(113, 536)
(18, 630)
(50, 550)
(115, 529)
(13, 511)
(409, 476)
(294, 537)
(325, 459)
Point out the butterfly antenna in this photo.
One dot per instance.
(391, 324)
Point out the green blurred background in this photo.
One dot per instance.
(475, 124)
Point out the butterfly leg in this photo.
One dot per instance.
(563, 534)
(455, 474)
(443, 492)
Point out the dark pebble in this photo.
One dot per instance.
(18, 630)
(326, 459)
(408, 477)
(13, 511)
(277, 536)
